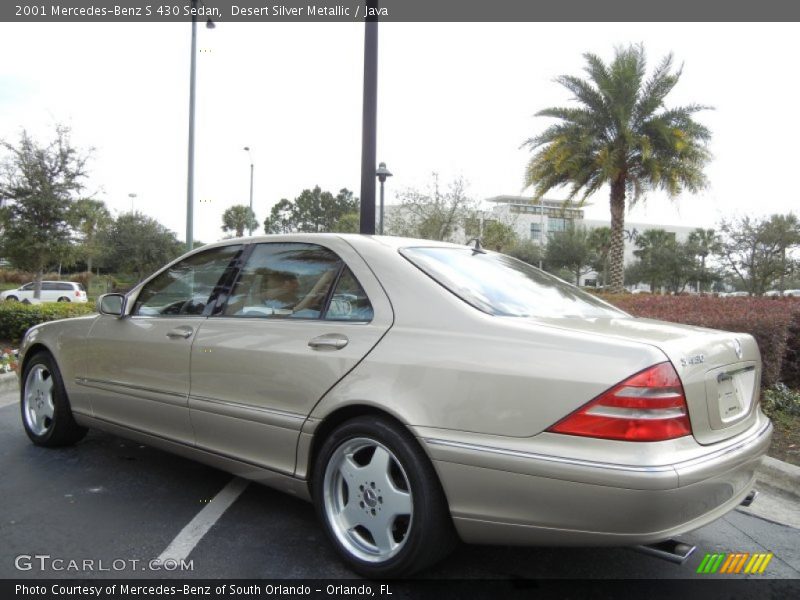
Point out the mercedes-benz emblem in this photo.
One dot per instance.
(737, 346)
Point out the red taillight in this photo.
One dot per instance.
(77, 294)
(648, 407)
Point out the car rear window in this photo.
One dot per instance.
(501, 285)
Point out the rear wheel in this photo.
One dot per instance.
(63, 299)
(46, 414)
(380, 500)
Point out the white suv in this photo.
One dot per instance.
(52, 291)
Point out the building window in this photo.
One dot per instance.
(536, 231)
(556, 225)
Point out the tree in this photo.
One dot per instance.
(89, 218)
(527, 251)
(753, 252)
(432, 214)
(702, 243)
(312, 211)
(280, 218)
(348, 223)
(621, 135)
(784, 232)
(570, 250)
(494, 235)
(600, 243)
(663, 261)
(237, 218)
(138, 244)
(38, 184)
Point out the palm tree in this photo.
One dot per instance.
(90, 217)
(622, 135)
(238, 218)
(703, 242)
(600, 241)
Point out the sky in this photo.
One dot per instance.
(457, 99)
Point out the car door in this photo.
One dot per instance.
(49, 291)
(137, 372)
(260, 366)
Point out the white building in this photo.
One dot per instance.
(536, 220)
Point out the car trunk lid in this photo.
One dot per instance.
(720, 371)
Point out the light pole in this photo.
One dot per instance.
(247, 149)
(382, 174)
(192, 87)
(132, 196)
(369, 122)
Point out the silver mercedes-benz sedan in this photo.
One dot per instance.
(417, 392)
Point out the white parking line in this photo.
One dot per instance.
(190, 536)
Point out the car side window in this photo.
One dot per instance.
(64, 286)
(186, 287)
(284, 280)
(49, 287)
(27, 287)
(349, 301)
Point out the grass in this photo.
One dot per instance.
(785, 438)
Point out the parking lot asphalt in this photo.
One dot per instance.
(113, 501)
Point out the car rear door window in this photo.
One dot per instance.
(349, 302)
(284, 280)
(186, 287)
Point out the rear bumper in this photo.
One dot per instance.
(501, 496)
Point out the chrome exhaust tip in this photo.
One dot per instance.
(673, 551)
(750, 498)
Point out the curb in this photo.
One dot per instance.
(9, 382)
(780, 475)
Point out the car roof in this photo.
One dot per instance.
(355, 239)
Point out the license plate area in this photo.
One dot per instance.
(730, 391)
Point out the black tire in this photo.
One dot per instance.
(60, 429)
(420, 539)
(63, 299)
(12, 299)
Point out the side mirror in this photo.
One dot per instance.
(111, 304)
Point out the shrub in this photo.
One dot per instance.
(790, 371)
(780, 398)
(16, 318)
(768, 320)
(14, 276)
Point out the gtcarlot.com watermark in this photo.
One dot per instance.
(46, 562)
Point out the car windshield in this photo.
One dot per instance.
(504, 286)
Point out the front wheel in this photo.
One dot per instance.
(12, 299)
(380, 500)
(46, 414)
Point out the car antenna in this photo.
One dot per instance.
(477, 248)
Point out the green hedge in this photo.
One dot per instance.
(16, 318)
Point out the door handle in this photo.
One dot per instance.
(329, 341)
(180, 332)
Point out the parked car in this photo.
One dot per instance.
(417, 392)
(792, 293)
(735, 295)
(52, 291)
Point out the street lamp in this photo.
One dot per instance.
(132, 196)
(247, 149)
(382, 173)
(192, 87)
